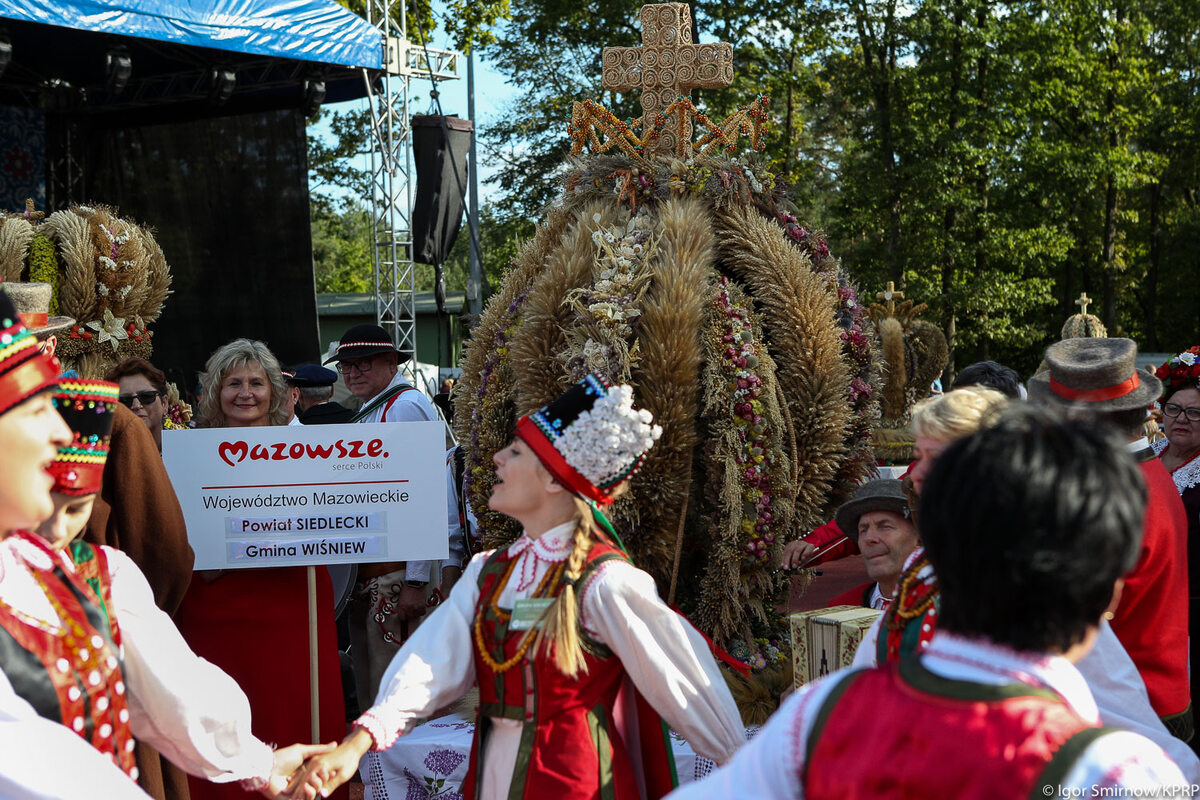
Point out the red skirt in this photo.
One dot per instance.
(253, 623)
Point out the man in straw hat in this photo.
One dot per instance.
(1029, 559)
(878, 520)
(1097, 379)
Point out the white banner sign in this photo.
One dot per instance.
(311, 494)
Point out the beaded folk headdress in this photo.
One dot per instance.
(1181, 372)
(88, 407)
(590, 438)
(24, 369)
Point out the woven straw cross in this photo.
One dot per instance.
(666, 65)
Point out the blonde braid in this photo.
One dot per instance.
(561, 628)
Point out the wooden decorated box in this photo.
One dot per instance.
(824, 640)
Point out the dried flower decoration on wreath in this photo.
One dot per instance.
(1182, 370)
(602, 337)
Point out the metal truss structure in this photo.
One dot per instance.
(391, 168)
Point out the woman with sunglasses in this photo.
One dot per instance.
(144, 392)
(1178, 452)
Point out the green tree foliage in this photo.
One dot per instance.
(995, 158)
(341, 237)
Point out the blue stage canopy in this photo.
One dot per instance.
(306, 30)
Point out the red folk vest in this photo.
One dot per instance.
(939, 738)
(72, 674)
(570, 746)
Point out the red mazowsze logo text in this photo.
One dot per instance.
(234, 453)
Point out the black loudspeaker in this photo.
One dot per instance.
(440, 147)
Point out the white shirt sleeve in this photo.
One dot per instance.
(868, 648)
(1124, 764)
(769, 766)
(185, 707)
(1123, 702)
(667, 659)
(433, 668)
(47, 761)
(411, 406)
(457, 543)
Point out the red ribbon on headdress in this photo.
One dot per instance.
(1096, 395)
(553, 460)
(34, 319)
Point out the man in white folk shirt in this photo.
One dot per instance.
(1030, 526)
(394, 591)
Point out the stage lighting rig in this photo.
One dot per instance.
(222, 82)
(118, 67)
(314, 95)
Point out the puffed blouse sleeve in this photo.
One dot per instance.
(433, 668)
(667, 659)
(187, 708)
(44, 760)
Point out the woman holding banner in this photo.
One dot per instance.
(574, 653)
(253, 623)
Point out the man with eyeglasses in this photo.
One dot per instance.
(1097, 379)
(391, 597)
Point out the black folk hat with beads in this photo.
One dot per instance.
(24, 369)
(363, 341)
(590, 438)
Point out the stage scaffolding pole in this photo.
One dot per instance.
(388, 97)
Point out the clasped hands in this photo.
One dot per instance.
(320, 768)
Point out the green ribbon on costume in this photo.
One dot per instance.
(602, 520)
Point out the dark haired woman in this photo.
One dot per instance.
(1179, 453)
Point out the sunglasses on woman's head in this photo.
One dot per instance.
(145, 398)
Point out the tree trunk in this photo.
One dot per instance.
(879, 58)
(950, 217)
(981, 178)
(1152, 272)
(789, 115)
(1109, 263)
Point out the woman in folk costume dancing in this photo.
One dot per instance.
(31, 431)
(550, 627)
(83, 642)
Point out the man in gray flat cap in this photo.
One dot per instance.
(879, 522)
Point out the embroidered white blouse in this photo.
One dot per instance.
(185, 707)
(667, 659)
(769, 766)
(1113, 680)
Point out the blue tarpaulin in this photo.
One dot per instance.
(306, 30)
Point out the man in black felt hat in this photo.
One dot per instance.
(879, 522)
(391, 595)
(1097, 379)
(369, 363)
(314, 402)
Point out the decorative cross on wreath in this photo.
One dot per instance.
(1083, 302)
(667, 65)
